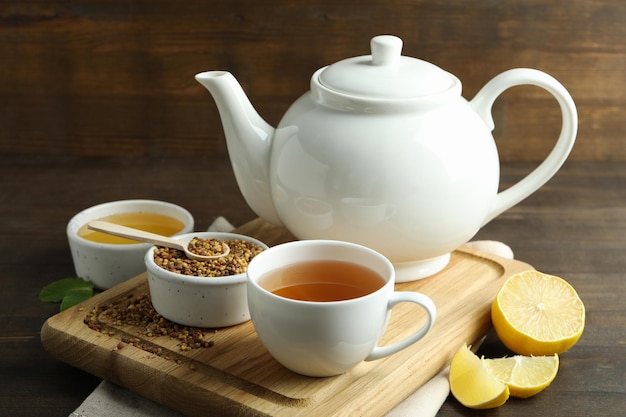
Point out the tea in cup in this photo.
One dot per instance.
(320, 307)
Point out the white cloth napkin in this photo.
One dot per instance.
(109, 400)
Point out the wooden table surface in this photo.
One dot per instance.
(574, 227)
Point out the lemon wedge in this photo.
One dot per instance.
(524, 375)
(473, 384)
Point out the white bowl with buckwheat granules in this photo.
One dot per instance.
(202, 293)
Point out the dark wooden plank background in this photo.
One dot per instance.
(115, 77)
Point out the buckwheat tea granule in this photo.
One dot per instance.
(138, 312)
(236, 262)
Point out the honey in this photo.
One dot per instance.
(149, 222)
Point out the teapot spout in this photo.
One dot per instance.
(248, 139)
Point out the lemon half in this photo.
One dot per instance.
(538, 314)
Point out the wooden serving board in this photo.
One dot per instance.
(237, 376)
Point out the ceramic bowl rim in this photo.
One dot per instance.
(73, 234)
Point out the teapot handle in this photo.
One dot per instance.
(482, 104)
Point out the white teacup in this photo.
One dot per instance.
(325, 338)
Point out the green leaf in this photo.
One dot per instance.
(58, 290)
(76, 296)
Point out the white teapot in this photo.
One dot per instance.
(385, 152)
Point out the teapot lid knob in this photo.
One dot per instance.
(386, 74)
(386, 49)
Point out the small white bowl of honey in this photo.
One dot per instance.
(108, 260)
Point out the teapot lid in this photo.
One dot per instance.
(386, 74)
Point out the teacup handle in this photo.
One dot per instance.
(482, 103)
(406, 297)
